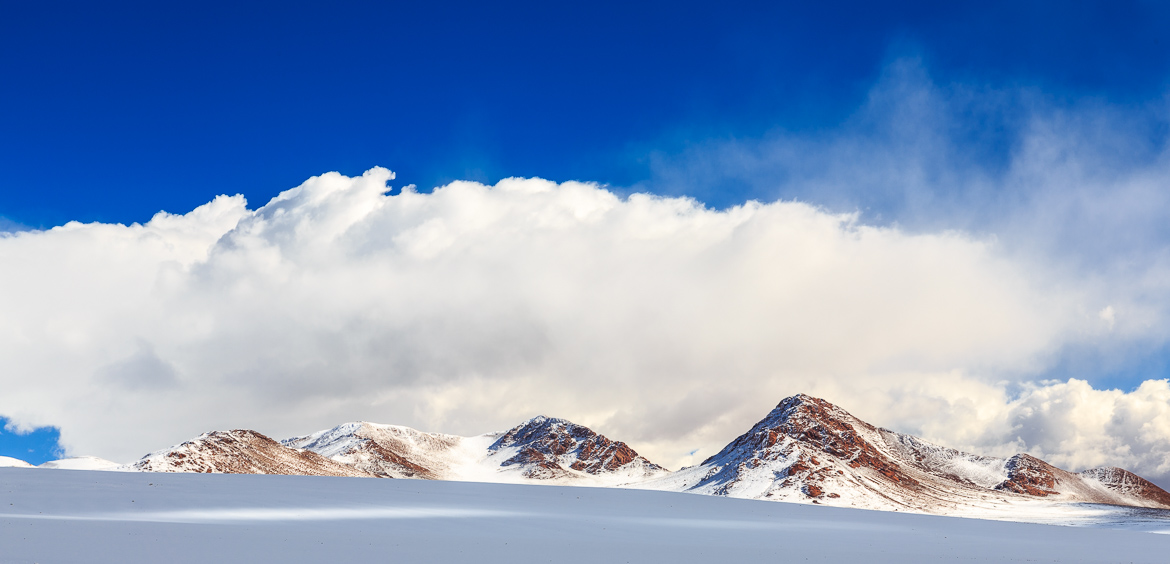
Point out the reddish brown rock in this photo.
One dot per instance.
(242, 451)
(547, 443)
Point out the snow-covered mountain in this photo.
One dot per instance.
(9, 462)
(545, 448)
(809, 450)
(83, 463)
(241, 452)
(805, 450)
(541, 449)
(387, 451)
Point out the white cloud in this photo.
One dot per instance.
(1002, 234)
(658, 321)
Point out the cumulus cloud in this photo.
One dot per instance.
(956, 265)
(657, 320)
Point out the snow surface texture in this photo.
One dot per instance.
(137, 517)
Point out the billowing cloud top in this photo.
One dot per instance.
(656, 320)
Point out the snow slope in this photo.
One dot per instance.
(9, 462)
(83, 463)
(99, 517)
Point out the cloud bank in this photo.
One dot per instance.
(978, 263)
(655, 320)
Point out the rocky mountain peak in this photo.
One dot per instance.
(548, 447)
(794, 434)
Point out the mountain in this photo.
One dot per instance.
(805, 450)
(809, 450)
(548, 448)
(541, 449)
(241, 452)
(388, 451)
(1127, 483)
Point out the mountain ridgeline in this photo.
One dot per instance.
(805, 450)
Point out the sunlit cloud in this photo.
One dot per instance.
(656, 320)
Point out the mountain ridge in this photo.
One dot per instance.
(805, 450)
(809, 450)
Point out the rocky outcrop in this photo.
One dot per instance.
(1031, 476)
(545, 448)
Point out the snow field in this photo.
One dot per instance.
(71, 516)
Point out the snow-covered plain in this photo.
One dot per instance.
(79, 516)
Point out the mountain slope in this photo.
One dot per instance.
(241, 452)
(807, 449)
(386, 451)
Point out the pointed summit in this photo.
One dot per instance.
(549, 448)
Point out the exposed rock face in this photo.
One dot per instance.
(808, 449)
(1030, 475)
(547, 448)
(241, 452)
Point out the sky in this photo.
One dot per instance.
(656, 220)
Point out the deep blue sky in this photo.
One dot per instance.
(35, 447)
(113, 112)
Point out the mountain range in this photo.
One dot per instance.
(805, 450)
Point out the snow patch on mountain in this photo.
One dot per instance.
(9, 462)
